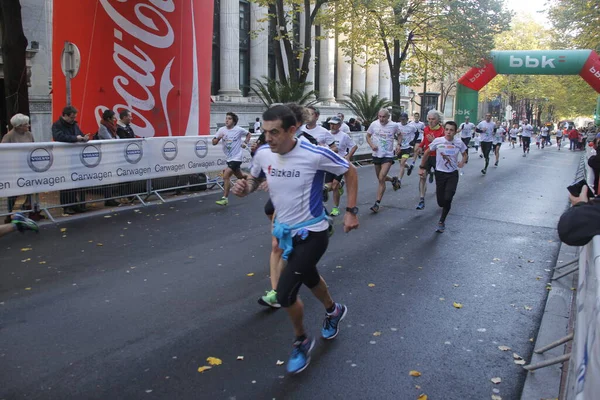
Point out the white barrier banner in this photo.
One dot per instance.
(41, 167)
(360, 138)
(586, 346)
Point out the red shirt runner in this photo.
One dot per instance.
(436, 134)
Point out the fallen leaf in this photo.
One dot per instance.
(26, 249)
(442, 299)
(42, 262)
(25, 260)
(537, 278)
(27, 288)
(456, 285)
(214, 361)
(530, 261)
(191, 257)
(417, 387)
(422, 397)
(371, 285)
(338, 266)
(377, 333)
(279, 362)
(63, 230)
(496, 259)
(204, 368)
(241, 358)
(531, 339)
(496, 380)
(414, 373)
(504, 348)
(520, 362)
(496, 397)
(517, 357)
(528, 308)
(99, 244)
(90, 241)
(250, 274)
(107, 216)
(457, 305)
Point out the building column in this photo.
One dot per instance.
(310, 77)
(230, 48)
(259, 44)
(373, 79)
(385, 84)
(344, 75)
(327, 69)
(359, 75)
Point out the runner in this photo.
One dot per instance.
(345, 149)
(292, 166)
(513, 133)
(380, 137)
(446, 168)
(420, 127)
(486, 129)
(408, 132)
(466, 130)
(232, 147)
(434, 129)
(526, 132)
(545, 140)
(497, 140)
(20, 223)
(559, 136)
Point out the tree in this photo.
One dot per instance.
(14, 46)
(271, 91)
(399, 28)
(364, 106)
(576, 23)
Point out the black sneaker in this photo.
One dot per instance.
(483, 171)
(441, 227)
(421, 205)
(496, 163)
(410, 168)
(395, 183)
(325, 194)
(375, 207)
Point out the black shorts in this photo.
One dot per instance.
(234, 165)
(430, 164)
(466, 140)
(494, 145)
(405, 153)
(513, 139)
(382, 160)
(269, 208)
(329, 177)
(301, 267)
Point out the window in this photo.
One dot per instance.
(215, 74)
(244, 47)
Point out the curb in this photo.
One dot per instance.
(545, 383)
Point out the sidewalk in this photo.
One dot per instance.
(546, 383)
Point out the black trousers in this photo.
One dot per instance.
(445, 186)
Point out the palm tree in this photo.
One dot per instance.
(366, 107)
(272, 91)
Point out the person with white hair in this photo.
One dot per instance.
(20, 132)
(434, 129)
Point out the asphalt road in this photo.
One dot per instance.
(129, 305)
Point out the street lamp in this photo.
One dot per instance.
(412, 94)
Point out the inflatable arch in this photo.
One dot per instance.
(585, 63)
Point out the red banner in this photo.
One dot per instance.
(151, 57)
(591, 71)
(476, 77)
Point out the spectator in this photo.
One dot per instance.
(108, 126)
(354, 125)
(573, 135)
(18, 134)
(594, 163)
(66, 130)
(344, 128)
(257, 125)
(124, 130)
(580, 223)
(326, 124)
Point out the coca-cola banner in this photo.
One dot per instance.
(152, 57)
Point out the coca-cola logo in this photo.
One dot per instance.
(136, 33)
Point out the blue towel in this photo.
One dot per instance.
(283, 233)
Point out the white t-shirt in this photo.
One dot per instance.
(257, 127)
(293, 177)
(420, 128)
(321, 135)
(383, 137)
(345, 128)
(544, 131)
(408, 134)
(446, 159)
(344, 142)
(466, 129)
(487, 128)
(559, 133)
(232, 142)
(513, 132)
(499, 135)
(526, 130)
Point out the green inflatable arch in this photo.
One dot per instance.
(585, 63)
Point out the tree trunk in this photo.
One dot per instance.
(14, 46)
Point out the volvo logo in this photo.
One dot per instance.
(91, 155)
(40, 159)
(201, 148)
(169, 150)
(133, 153)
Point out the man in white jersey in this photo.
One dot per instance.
(446, 168)
(466, 130)
(559, 137)
(545, 133)
(292, 167)
(344, 128)
(497, 140)
(526, 133)
(513, 133)
(345, 149)
(407, 132)
(232, 135)
(380, 137)
(420, 127)
(321, 135)
(486, 135)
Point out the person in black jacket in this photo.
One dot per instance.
(65, 129)
(124, 130)
(594, 163)
(580, 223)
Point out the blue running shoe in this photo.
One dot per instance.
(441, 227)
(331, 323)
(24, 224)
(300, 357)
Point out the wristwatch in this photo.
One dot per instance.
(352, 210)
